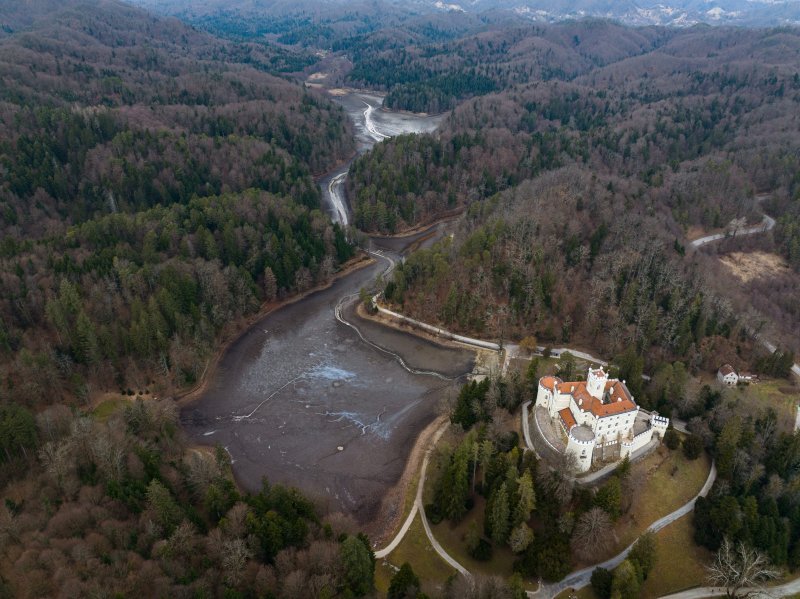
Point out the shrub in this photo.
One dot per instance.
(692, 447)
(482, 552)
(433, 514)
(601, 583)
(672, 439)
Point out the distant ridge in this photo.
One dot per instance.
(674, 13)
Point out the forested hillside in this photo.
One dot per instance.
(698, 137)
(570, 258)
(130, 240)
(599, 180)
(434, 76)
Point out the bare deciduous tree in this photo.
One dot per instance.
(234, 558)
(592, 532)
(742, 570)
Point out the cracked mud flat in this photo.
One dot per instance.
(299, 385)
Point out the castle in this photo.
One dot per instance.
(598, 413)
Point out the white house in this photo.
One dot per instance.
(727, 375)
(598, 412)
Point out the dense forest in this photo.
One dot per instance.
(699, 153)
(157, 188)
(568, 258)
(754, 500)
(436, 76)
(580, 195)
(121, 506)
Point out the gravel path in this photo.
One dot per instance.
(765, 225)
(420, 509)
(788, 589)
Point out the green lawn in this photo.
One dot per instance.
(417, 551)
(680, 563)
(667, 481)
(780, 395)
(452, 538)
(679, 566)
(106, 408)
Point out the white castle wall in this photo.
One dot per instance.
(606, 436)
(659, 424)
(543, 396)
(639, 441)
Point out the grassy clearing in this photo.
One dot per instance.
(417, 551)
(452, 538)
(666, 481)
(780, 395)
(106, 408)
(680, 563)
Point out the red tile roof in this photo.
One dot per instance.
(726, 369)
(549, 382)
(567, 418)
(619, 398)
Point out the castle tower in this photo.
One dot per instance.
(596, 382)
(547, 391)
(580, 443)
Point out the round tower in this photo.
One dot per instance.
(580, 443)
(547, 388)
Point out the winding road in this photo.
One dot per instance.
(766, 225)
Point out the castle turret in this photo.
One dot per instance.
(596, 382)
(580, 443)
(547, 390)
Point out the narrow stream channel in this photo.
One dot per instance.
(304, 399)
(372, 126)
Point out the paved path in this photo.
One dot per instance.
(419, 508)
(439, 332)
(765, 225)
(581, 578)
(381, 553)
(557, 351)
(783, 590)
(526, 429)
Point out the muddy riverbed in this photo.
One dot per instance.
(305, 399)
(301, 399)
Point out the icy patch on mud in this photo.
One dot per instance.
(331, 373)
(378, 428)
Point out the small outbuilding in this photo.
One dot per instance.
(727, 375)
